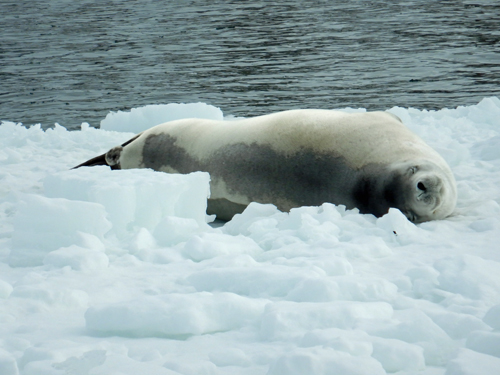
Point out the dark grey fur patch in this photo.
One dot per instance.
(305, 178)
(377, 189)
(223, 208)
(160, 150)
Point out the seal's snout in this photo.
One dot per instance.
(421, 186)
(428, 185)
(428, 191)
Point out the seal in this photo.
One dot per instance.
(369, 161)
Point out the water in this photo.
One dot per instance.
(71, 61)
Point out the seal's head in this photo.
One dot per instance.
(429, 191)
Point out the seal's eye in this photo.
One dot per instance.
(413, 170)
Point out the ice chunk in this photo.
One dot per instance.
(324, 361)
(284, 319)
(5, 289)
(196, 368)
(254, 212)
(82, 364)
(354, 342)
(395, 222)
(484, 342)
(138, 198)
(349, 288)
(66, 298)
(272, 229)
(210, 245)
(470, 276)
(257, 281)
(397, 355)
(230, 357)
(145, 247)
(457, 325)
(42, 225)
(172, 230)
(78, 258)
(423, 279)
(8, 364)
(174, 315)
(124, 365)
(142, 118)
(34, 354)
(468, 362)
(492, 317)
(488, 149)
(413, 326)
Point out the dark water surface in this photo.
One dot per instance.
(71, 61)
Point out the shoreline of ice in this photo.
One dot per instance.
(117, 271)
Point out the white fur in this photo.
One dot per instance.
(349, 134)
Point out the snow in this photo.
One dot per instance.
(122, 272)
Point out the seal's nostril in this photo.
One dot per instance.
(421, 186)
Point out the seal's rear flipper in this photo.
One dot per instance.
(98, 160)
(110, 158)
